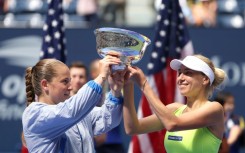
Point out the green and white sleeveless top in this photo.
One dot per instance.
(191, 141)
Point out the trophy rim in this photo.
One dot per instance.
(143, 38)
(134, 35)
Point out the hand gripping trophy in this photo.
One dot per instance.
(131, 45)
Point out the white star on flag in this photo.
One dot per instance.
(53, 45)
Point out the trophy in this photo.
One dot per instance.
(131, 45)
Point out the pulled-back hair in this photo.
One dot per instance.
(44, 69)
(219, 74)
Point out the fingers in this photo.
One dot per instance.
(113, 53)
(105, 65)
(113, 56)
(133, 68)
(111, 60)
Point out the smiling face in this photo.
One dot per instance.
(190, 82)
(58, 89)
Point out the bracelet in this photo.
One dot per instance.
(143, 86)
(103, 78)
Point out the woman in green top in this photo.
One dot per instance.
(196, 127)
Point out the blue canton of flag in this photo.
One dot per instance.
(171, 35)
(53, 45)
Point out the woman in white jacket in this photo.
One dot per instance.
(55, 122)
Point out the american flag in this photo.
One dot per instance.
(53, 45)
(171, 41)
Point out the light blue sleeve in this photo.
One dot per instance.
(53, 120)
(108, 116)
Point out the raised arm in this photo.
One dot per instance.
(208, 115)
(105, 66)
(109, 115)
(132, 124)
(53, 120)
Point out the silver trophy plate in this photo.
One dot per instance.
(131, 45)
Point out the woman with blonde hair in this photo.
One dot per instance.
(194, 127)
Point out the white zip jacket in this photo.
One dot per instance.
(69, 127)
